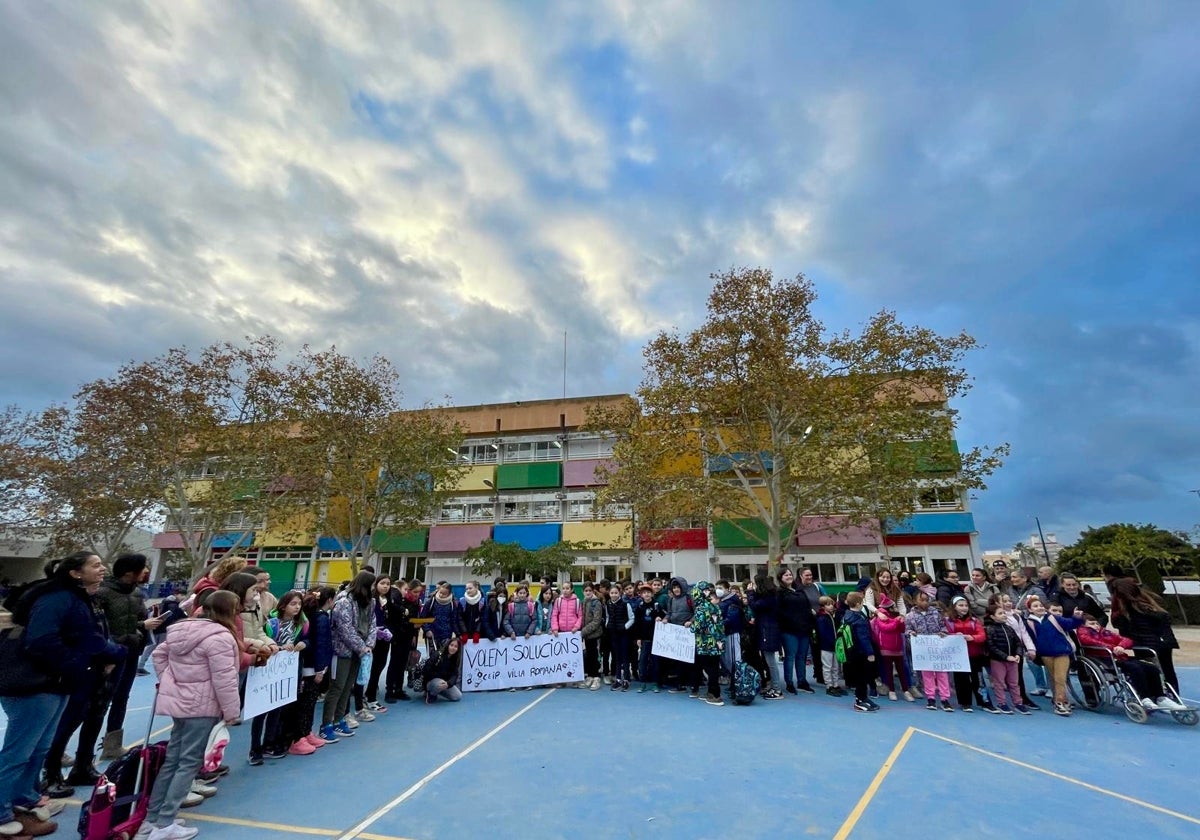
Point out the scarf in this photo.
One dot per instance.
(443, 600)
(473, 600)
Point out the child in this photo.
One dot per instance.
(925, 619)
(567, 615)
(471, 607)
(860, 665)
(443, 609)
(961, 622)
(629, 596)
(710, 640)
(888, 631)
(442, 672)
(520, 619)
(826, 639)
(288, 628)
(592, 630)
(314, 664)
(1050, 634)
(733, 614)
(603, 589)
(1005, 650)
(619, 618)
(1143, 676)
(646, 616)
(1013, 619)
(544, 611)
(197, 665)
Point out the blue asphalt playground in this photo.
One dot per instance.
(557, 763)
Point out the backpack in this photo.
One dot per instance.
(844, 643)
(512, 607)
(120, 799)
(744, 685)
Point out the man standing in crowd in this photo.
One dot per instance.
(266, 601)
(1048, 581)
(813, 591)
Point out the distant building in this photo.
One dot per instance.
(23, 554)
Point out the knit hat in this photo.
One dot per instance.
(956, 599)
(862, 585)
(886, 603)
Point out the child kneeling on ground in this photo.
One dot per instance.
(441, 672)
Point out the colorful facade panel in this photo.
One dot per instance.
(457, 537)
(616, 533)
(531, 537)
(583, 473)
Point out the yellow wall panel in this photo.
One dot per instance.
(333, 572)
(297, 529)
(472, 478)
(617, 533)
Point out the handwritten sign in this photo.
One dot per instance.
(674, 641)
(940, 653)
(520, 662)
(272, 685)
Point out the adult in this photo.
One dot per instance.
(884, 591)
(978, 592)
(905, 581)
(796, 624)
(124, 608)
(1138, 614)
(1000, 577)
(765, 607)
(1074, 601)
(813, 591)
(213, 578)
(64, 641)
(1023, 588)
(1048, 581)
(266, 599)
(947, 588)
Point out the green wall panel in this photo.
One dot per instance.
(528, 476)
(385, 542)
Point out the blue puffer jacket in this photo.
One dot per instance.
(1047, 638)
(318, 654)
(446, 619)
(863, 646)
(64, 636)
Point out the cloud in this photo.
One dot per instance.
(456, 185)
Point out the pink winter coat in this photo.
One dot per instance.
(889, 634)
(567, 615)
(197, 666)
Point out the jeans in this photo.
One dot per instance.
(440, 688)
(185, 756)
(771, 660)
(32, 722)
(795, 654)
(120, 698)
(647, 663)
(1039, 675)
(620, 656)
(341, 687)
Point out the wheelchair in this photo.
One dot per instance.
(1095, 681)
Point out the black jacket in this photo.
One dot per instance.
(1002, 641)
(443, 667)
(946, 591)
(644, 619)
(1082, 601)
(1148, 629)
(795, 613)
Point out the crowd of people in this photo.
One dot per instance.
(360, 651)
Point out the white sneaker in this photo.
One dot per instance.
(350, 720)
(594, 684)
(1169, 705)
(365, 716)
(11, 829)
(203, 789)
(191, 800)
(174, 831)
(1148, 705)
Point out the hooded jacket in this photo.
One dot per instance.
(863, 646)
(352, 627)
(766, 610)
(978, 597)
(926, 622)
(707, 625)
(1001, 640)
(1049, 639)
(1104, 638)
(733, 613)
(64, 634)
(593, 618)
(945, 591)
(567, 615)
(197, 669)
(542, 615)
(518, 618)
(679, 607)
(888, 631)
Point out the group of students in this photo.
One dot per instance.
(367, 634)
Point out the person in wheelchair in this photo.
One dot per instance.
(1145, 678)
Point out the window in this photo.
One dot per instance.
(209, 468)
(240, 519)
(547, 510)
(578, 509)
(479, 453)
(824, 572)
(738, 572)
(518, 452)
(406, 568)
(539, 450)
(453, 513)
(285, 555)
(851, 572)
(617, 511)
(939, 498)
(515, 511)
(589, 447)
(480, 511)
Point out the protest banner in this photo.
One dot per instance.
(520, 662)
(673, 641)
(272, 685)
(940, 653)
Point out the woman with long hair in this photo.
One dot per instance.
(1139, 614)
(796, 623)
(766, 609)
(383, 604)
(884, 589)
(354, 632)
(197, 665)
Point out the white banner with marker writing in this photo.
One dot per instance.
(674, 641)
(517, 663)
(272, 685)
(940, 653)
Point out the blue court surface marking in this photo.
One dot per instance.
(545, 764)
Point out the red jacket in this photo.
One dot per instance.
(972, 628)
(1103, 638)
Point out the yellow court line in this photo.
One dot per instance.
(873, 788)
(1157, 808)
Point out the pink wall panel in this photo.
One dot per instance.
(171, 539)
(457, 537)
(583, 473)
(833, 531)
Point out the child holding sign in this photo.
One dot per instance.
(961, 622)
(926, 619)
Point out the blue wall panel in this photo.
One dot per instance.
(531, 537)
(957, 522)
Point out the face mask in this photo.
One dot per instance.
(720, 592)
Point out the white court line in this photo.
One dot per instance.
(373, 818)
(153, 735)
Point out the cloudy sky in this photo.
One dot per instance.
(455, 184)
